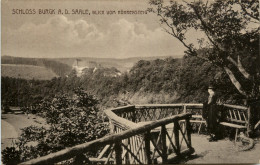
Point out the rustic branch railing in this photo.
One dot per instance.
(150, 112)
(174, 136)
(141, 134)
(118, 142)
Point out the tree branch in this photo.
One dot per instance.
(234, 81)
(176, 36)
(242, 69)
(207, 29)
(247, 13)
(239, 66)
(230, 59)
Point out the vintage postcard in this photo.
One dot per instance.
(130, 82)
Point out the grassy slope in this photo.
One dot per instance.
(58, 68)
(27, 72)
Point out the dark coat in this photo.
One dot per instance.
(210, 114)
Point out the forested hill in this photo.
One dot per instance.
(158, 81)
(58, 68)
(63, 66)
(122, 65)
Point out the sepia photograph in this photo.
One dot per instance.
(130, 82)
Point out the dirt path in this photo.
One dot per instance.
(8, 131)
(12, 124)
(222, 151)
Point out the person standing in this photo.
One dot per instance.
(210, 113)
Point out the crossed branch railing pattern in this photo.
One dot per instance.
(121, 150)
(141, 134)
(166, 142)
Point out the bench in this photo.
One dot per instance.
(235, 117)
(196, 119)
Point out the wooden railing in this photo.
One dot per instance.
(129, 117)
(150, 112)
(141, 134)
(122, 151)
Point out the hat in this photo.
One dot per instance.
(211, 87)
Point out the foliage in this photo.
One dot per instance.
(72, 120)
(10, 156)
(231, 30)
(20, 92)
(158, 81)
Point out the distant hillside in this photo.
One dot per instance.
(28, 72)
(157, 81)
(121, 64)
(58, 68)
(63, 66)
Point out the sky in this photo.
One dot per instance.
(82, 35)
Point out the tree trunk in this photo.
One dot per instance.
(234, 81)
(253, 115)
(252, 103)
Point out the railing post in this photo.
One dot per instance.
(164, 145)
(176, 136)
(184, 108)
(118, 151)
(184, 111)
(188, 127)
(112, 127)
(134, 114)
(147, 138)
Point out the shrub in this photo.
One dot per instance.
(10, 155)
(72, 120)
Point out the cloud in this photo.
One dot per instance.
(61, 37)
(58, 30)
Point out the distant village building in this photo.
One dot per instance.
(79, 65)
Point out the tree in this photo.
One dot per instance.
(231, 30)
(72, 120)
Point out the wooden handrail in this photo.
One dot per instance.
(188, 105)
(119, 121)
(169, 105)
(126, 123)
(68, 153)
(114, 113)
(236, 106)
(123, 109)
(158, 105)
(194, 106)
